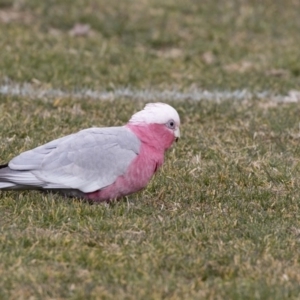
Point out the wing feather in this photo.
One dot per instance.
(88, 160)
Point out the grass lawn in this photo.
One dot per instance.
(221, 220)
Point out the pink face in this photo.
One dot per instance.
(159, 136)
(159, 118)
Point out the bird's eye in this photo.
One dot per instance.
(171, 124)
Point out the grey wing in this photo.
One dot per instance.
(88, 160)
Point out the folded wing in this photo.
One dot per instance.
(87, 161)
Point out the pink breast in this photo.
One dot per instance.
(155, 140)
(136, 178)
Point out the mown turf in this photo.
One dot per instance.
(221, 219)
(208, 44)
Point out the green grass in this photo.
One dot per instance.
(221, 220)
(210, 44)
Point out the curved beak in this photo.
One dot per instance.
(177, 134)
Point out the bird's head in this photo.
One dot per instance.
(158, 113)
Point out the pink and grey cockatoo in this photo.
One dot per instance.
(98, 164)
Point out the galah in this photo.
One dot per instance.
(98, 164)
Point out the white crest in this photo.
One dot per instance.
(159, 113)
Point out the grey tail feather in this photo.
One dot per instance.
(3, 166)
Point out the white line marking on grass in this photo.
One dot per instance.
(193, 94)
